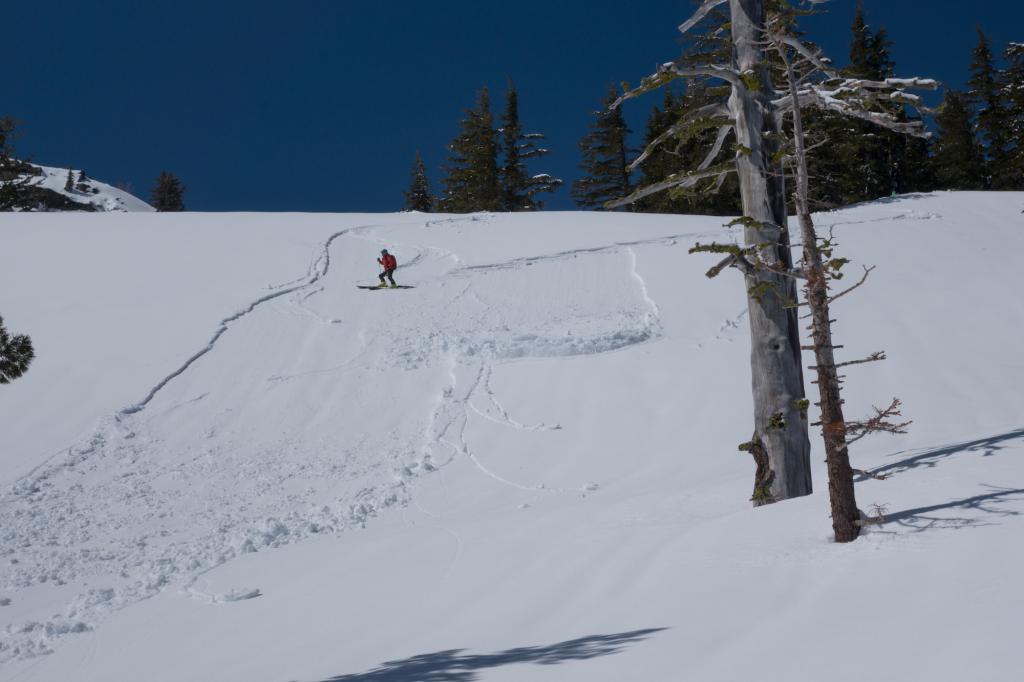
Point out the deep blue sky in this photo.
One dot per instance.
(320, 105)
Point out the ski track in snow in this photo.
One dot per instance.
(319, 268)
(114, 515)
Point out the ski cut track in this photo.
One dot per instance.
(319, 269)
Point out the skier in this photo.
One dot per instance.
(388, 262)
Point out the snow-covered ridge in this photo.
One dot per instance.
(92, 194)
(230, 463)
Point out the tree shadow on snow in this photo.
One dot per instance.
(990, 504)
(986, 446)
(455, 666)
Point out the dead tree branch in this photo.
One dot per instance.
(881, 422)
(699, 15)
(874, 357)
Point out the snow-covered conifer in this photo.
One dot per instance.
(518, 187)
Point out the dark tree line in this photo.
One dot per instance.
(487, 165)
(980, 143)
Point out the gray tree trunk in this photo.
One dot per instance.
(780, 408)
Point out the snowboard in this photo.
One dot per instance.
(400, 286)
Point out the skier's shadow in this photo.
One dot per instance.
(453, 665)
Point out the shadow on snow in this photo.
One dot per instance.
(929, 458)
(919, 519)
(990, 504)
(455, 666)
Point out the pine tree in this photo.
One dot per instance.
(16, 354)
(7, 127)
(518, 187)
(69, 184)
(81, 176)
(918, 172)
(1014, 90)
(959, 162)
(15, 176)
(992, 123)
(605, 164)
(869, 52)
(169, 193)
(418, 197)
(473, 183)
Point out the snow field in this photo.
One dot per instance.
(524, 468)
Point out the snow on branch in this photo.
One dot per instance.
(827, 100)
(700, 14)
(926, 83)
(833, 98)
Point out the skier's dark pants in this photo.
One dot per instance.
(389, 273)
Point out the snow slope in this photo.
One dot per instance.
(230, 463)
(102, 196)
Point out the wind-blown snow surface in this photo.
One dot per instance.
(230, 463)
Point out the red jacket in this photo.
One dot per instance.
(388, 262)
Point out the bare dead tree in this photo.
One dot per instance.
(780, 443)
(754, 115)
(809, 82)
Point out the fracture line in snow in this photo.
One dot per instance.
(319, 269)
(607, 248)
(654, 317)
(905, 215)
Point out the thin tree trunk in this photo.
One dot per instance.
(780, 425)
(840, 476)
